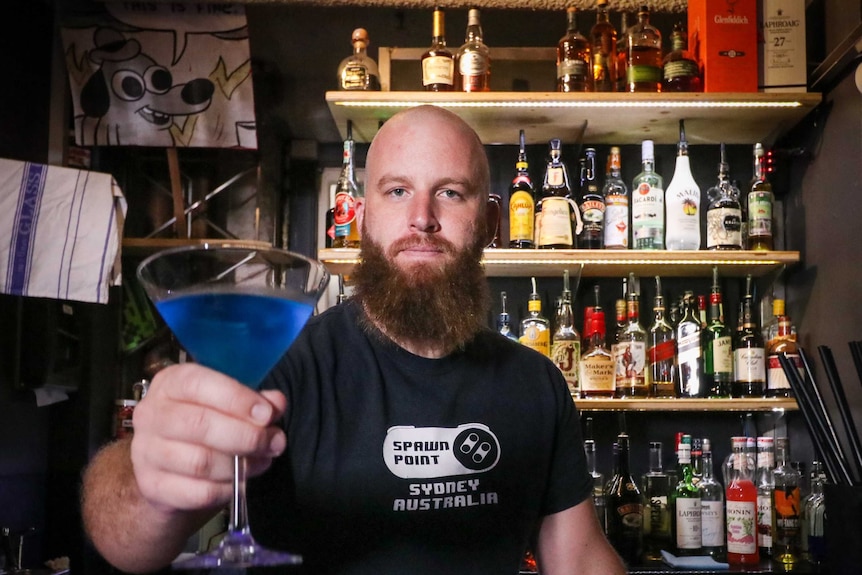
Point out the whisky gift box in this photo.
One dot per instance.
(722, 35)
(781, 44)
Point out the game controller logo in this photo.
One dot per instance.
(428, 452)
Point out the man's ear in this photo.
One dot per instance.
(493, 211)
(359, 206)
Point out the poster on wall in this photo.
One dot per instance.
(160, 74)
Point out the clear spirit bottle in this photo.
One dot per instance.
(535, 328)
(711, 509)
(603, 47)
(591, 205)
(359, 71)
(504, 321)
(643, 55)
(347, 191)
(438, 63)
(813, 517)
(681, 72)
(689, 335)
(474, 58)
(682, 202)
(566, 341)
(765, 484)
(656, 488)
(785, 506)
(616, 196)
(573, 58)
(760, 203)
(724, 213)
(717, 346)
(661, 353)
(647, 203)
(522, 202)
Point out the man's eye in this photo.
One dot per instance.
(451, 193)
(398, 192)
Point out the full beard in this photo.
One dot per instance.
(445, 303)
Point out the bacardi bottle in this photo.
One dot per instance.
(647, 203)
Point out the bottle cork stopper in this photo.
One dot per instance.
(360, 35)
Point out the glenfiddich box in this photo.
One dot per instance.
(722, 34)
(783, 65)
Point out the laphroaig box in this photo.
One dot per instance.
(722, 34)
(782, 46)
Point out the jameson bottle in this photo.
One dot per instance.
(346, 193)
(535, 328)
(643, 55)
(656, 489)
(689, 335)
(749, 355)
(625, 508)
(717, 346)
(616, 196)
(632, 375)
(786, 501)
(741, 510)
(504, 322)
(682, 202)
(685, 505)
(573, 58)
(438, 63)
(566, 341)
(592, 206)
(556, 212)
(724, 213)
(711, 509)
(648, 203)
(760, 203)
(765, 483)
(474, 58)
(661, 350)
(603, 47)
(522, 203)
(358, 71)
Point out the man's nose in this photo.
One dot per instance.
(423, 213)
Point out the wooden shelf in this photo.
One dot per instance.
(685, 404)
(604, 263)
(147, 246)
(596, 118)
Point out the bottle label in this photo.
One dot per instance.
(689, 347)
(712, 523)
(682, 203)
(658, 515)
(354, 77)
(593, 216)
(760, 214)
(724, 228)
(642, 73)
(630, 360)
(538, 338)
(571, 67)
(663, 351)
(438, 70)
(648, 217)
(722, 355)
(596, 373)
(554, 177)
(775, 376)
(786, 509)
(472, 64)
(521, 216)
(567, 354)
(749, 364)
(554, 223)
(345, 213)
(688, 523)
(680, 69)
(616, 221)
(764, 521)
(741, 536)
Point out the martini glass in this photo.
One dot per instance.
(236, 310)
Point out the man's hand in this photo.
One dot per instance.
(187, 430)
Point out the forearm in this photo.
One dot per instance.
(126, 529)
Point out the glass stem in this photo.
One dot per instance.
(238, 510)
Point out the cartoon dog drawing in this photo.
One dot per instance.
(133, 99)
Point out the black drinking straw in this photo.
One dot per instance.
(841, 400)
(856, 352)
(817, 423)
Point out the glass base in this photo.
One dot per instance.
(237, 551)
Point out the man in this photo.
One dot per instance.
(415, 439)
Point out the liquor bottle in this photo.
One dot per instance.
(616, 196)
(813, 516)
(770, 328)
(764, 481)
(556, 212)
(592, 206)
(438, 63)
(760, 203)
(625, 508)
(717, 346)
(643, 55)
(474, 58)
(701, 310)
(346, 193)
(685, 505)
(535, 328)
(656, 488)
(784, 342)
(749, 355)
(598, 478)
(504, 322)
(622, 52)
(785, 506)
(696, 460)
(723, 214)
(682, 202)
(690, 352)
(358, 71)
(596, 369)
(648, 203)
(522, 202)
(573, 58)
(681, 72)
(741, 509)
(603, 49)
(566, 341)
(711, 509)
(661, 353)
(632, 375)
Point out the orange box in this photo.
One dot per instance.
(722, 35)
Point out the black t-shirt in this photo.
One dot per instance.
(403, 464)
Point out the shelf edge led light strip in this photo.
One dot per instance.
(591, 262)
(567, 104)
